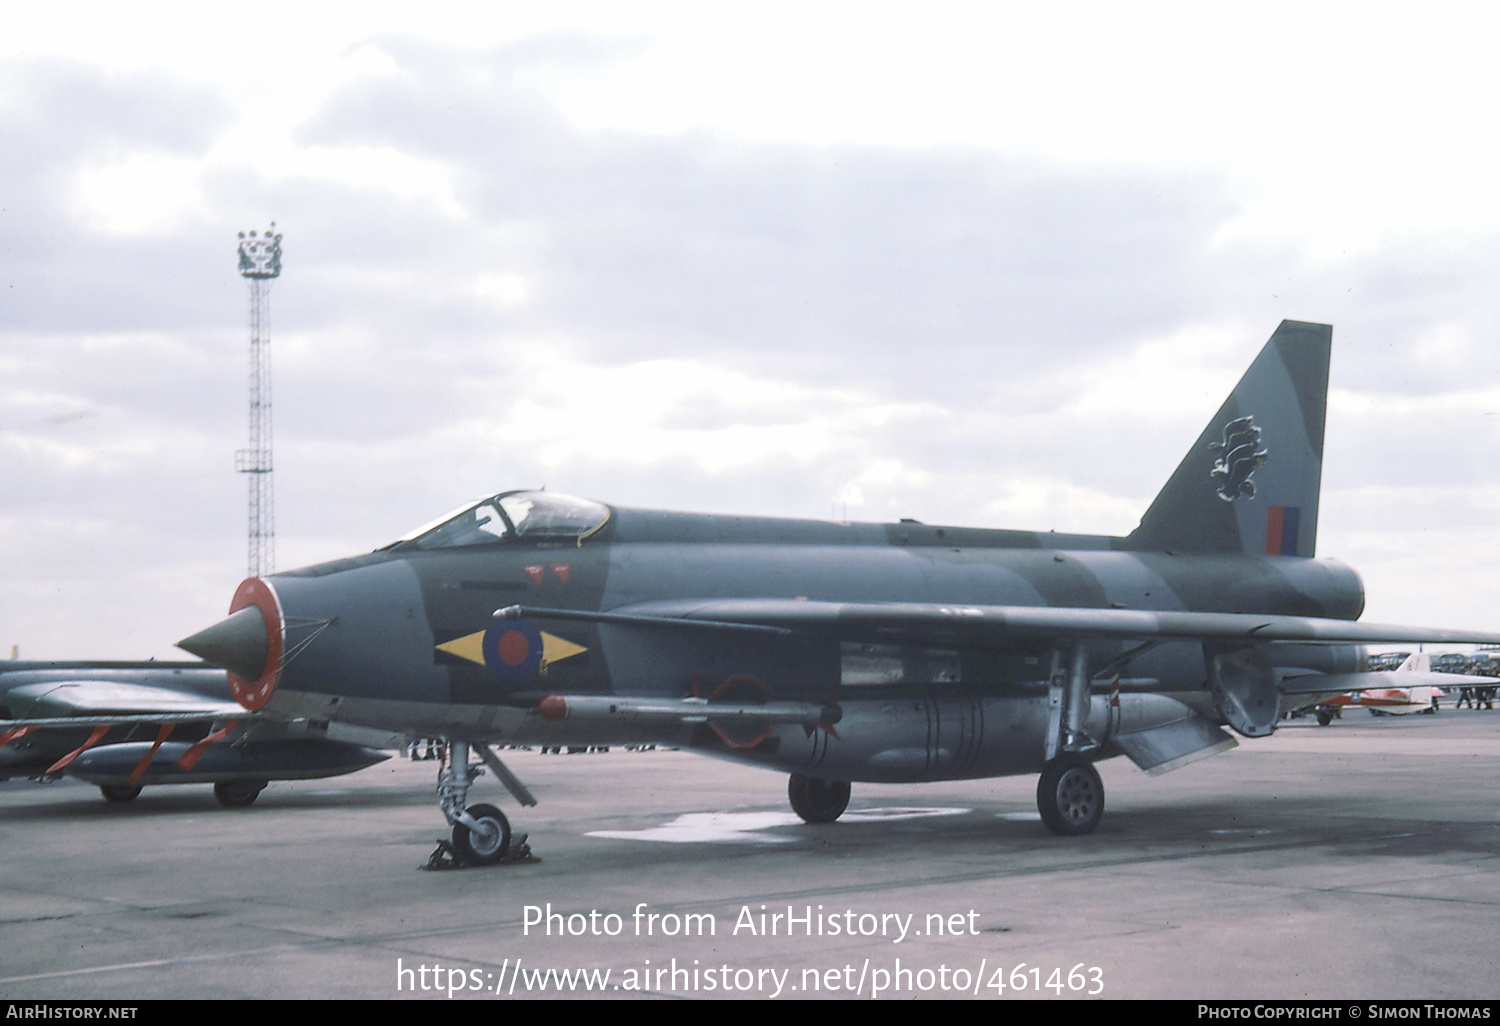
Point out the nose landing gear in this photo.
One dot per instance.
(481, 833)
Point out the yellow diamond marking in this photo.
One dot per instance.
(555, 649)
(471, 647)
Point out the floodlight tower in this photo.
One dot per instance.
(260, 265)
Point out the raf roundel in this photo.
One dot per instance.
(513, 649)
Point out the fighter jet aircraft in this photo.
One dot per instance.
(92, 720)
(840, 652)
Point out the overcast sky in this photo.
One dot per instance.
(990, 264)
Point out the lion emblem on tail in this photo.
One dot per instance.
(1239, 457)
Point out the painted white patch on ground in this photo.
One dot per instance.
(737, 827)
(744, 827)
(895, 812)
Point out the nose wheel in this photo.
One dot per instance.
(485, 843)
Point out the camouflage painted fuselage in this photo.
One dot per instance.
(909, 711)
(924, 643)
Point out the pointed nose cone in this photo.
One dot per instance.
(240, 643)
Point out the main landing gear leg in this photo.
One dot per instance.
(481, 833)
(1069, 794)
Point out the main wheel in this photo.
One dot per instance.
(119, 792)
(236, 794)
(1070, 796)
(486, 845)
(817, 801)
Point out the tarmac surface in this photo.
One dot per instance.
(1356, 861)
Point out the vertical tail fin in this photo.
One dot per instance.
(1417, 662)
(1250, 483)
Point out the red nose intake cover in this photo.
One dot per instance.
(253, 694)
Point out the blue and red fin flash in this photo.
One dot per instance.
(1282, 523)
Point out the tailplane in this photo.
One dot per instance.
(1250, 483)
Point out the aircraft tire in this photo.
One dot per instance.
(119, 792)
(489, 847)
(1070, 796)
(1324, 718)
(817, 801)
(237, 794)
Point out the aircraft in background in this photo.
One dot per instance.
(1413, 687)
(126, 725)
(839, 652)
(1399, 701)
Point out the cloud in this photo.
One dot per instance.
(485, 288)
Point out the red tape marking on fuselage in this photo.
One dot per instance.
(13, 735)
(93, 740)
(192, 755)
(161, 735)
(739, 744)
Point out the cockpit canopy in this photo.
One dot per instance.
(530, 516)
